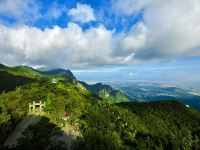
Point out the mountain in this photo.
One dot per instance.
(26, 71)
(9, 82)
(105, 126)
(1, 66)
(60, 72)
(12, 77)
(14, 104)
(22, 71)
(106, 91)
(20, 75)
(97, 122)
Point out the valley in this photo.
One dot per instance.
(187, 93)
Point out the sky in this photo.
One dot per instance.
(130, 39)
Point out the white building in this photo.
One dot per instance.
(54, 81)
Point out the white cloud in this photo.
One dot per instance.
(54, 11)
(82, 13)
(61, 47)
(70, 46)
(165, 32)
(134, 40)
(24, 11)
(129, 7)
(173, 27)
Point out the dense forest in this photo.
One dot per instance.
(9, 82)
(103, 125)
(154, 125)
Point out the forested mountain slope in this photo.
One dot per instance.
(102, 124)
(153, 125)
(26, 71)
(11, 77)
(9, 82)
(106, 91)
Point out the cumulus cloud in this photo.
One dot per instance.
(136, 39)
(168, 30)
(66, 47)
(83, 13)
(173, 27)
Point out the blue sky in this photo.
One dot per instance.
(185, 71)
(101, 10)
(136, 38)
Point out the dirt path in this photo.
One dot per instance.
(68, 136)
(29, 120)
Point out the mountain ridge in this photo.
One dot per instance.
(25, 73)
(106, 91)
